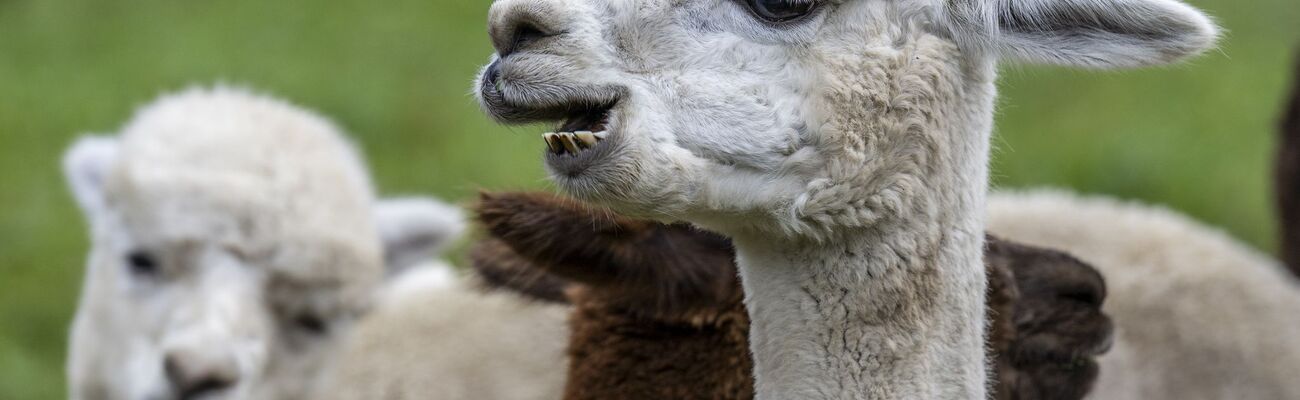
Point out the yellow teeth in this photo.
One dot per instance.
(586, 139)
(567, 140)
(572, 142)
(552, 141)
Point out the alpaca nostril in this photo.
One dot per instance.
(520, 25)
(526, 34)
(492, 77)
(192, 376)
(521, 36)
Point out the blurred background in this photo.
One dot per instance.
(396, 74)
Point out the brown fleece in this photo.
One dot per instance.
(659, 312)
(500, 267)
(1287, 178)
(1047, 348)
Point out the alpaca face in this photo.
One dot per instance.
(802, 115)
(230, 254)
(202, 310)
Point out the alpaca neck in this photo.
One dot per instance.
(875, 316)
(893, 308)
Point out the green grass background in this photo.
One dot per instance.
(396, 73)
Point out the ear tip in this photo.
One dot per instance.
(85, 166)
(88, 151)
(1196, 30)
(1205, 31)
(1106, 34)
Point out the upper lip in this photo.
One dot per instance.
(518, 104)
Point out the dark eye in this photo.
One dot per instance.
(142, 263)
(780, 10)
(311, 323)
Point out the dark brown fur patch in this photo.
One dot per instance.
(500, 267)
(656, 269)
(659, 311)
(1287, 177)
(1058, 328)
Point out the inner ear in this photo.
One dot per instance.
(1096, 33)
(87, 165)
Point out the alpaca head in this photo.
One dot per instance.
(234, 239)
(796, 114)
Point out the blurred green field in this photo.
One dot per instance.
(1197, 137)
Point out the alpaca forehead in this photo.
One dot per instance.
(241, 214)
(233, 150)
(651, 21)
(232, 170)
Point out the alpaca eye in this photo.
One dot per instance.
(780, 10)
(311, 323)
(142, 263)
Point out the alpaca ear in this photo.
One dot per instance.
(86, 166)
(1086, 33)
(414, 230)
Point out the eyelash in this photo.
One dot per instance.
(813, 7)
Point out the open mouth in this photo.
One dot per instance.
(582, 111)
(580, 131)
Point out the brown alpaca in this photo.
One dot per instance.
(658, 310)
(1287, 178)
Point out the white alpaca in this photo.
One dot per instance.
(431, 338)
(1197, 315)
(842, 144)
(234, 242)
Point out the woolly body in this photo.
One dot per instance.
(1197, 314)
(434, 338)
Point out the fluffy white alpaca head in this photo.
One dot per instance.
(802, 115)
(234, 240)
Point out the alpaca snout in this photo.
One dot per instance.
(195, 373)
